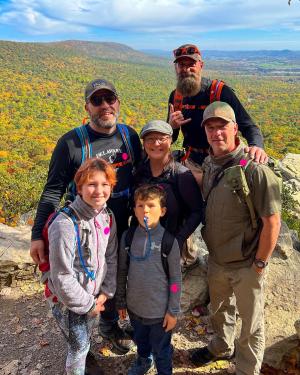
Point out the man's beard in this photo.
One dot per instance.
(188, 85)
(104, 124)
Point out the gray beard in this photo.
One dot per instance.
(100, 124)
(189, 86)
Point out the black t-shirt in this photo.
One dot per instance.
(194, 134)
(65, 161)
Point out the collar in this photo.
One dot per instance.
(84, 210)
(235, 154)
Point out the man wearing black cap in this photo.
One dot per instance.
(186, 105)
(101, 137)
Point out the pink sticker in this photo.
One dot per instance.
(174, 288)
(243, 162)
(124, 156)
(106, 230)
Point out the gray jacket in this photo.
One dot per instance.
(143, 288)
(68, 280)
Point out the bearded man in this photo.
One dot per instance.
(195, 94)
(186, 106)
(101, 137)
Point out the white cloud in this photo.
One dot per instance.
(168, 16)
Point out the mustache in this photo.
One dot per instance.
(185, 75)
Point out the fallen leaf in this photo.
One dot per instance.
(105, 351)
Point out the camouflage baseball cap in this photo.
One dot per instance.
(220, 110)
(98, 84)
(187, 50)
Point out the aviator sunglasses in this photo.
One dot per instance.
(186, 51)
(97, 100)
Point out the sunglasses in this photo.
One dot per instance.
(186, 51)
(97, 100)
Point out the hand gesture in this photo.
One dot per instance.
(169, 322)
(176, 118)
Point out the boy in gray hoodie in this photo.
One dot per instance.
(151, 298)
(83, 260)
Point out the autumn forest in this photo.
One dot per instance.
(42, 97)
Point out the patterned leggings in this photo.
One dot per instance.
(77, 330)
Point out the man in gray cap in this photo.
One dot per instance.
(242, 223)
(101, 137)
(186, 105)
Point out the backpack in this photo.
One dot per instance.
(236, 179)
(166, 247)
(214, 95)
(215, 91)
(86, 153)
(45, 267)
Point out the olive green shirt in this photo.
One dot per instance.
(228, 232)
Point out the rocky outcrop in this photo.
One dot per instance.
(290, 170)
(15, 261)
(194, 285)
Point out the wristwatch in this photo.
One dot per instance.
(260, 263)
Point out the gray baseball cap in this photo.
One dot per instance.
(98, 84)
(220, 110)
(156, 126)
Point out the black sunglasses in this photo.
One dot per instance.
(97, 100)
(186, 51)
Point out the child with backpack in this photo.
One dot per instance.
(149, 282)
(83, 260)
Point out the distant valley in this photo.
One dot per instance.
(42, 86)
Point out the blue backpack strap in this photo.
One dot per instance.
(86, 153)
(86, 146)
(123, 129)
(70, 212)
(166, 247)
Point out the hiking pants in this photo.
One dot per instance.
(231, 292)
(77, 330)
(152, 339)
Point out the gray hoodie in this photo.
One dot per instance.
(98, 237)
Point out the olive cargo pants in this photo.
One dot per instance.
(231, 292)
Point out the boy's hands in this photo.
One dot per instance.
(99, 305)
(169, 322)
(101, 299)
(122, 313)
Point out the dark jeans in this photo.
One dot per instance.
(152, 339)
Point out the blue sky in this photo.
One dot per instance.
(156, 24)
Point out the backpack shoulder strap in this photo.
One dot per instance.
(86, 153)
(177, 101)
(123, 129)
(86, 146)
(215, 90)
(236, 178)
(128, 241)
(166, 247)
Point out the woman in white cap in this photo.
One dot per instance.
(184, 201)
